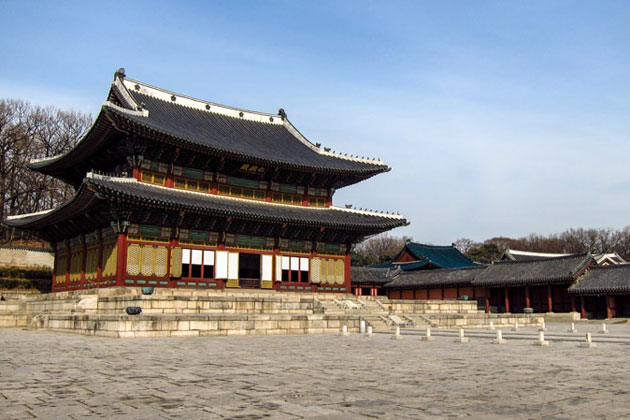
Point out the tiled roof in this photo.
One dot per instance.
(435, 278)
(611, 279)
(268, 139)
(130, 190)
(366, 275)
(541, 271)
(440, 256)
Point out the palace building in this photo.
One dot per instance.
(177, 192)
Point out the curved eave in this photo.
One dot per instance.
(89, 144)
(82, 201)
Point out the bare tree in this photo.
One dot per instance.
(28, 132)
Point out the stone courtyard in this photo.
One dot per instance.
(50, 375)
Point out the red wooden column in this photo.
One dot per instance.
(507, 301)
(527, 301)
(99, 267)
(487, 300)
(68, 262)
(582, 308)
(121, 259)
(549, 300)
(83, 261)
(609, 306)
(573, 303)
(278, 282)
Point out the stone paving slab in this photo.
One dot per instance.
(50, 375)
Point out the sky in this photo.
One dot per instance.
(498, 118)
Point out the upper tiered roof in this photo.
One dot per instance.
(269, 140)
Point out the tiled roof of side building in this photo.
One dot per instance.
(240, 134)
(433, 278)
(441, 256)
(132, 191)
(373, 276)
(611, 279)
(541, 271)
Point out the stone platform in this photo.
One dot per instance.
(176, 312)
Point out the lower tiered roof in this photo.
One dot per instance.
(101, 196)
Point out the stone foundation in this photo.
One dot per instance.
(176, 312)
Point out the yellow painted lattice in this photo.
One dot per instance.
(109, 260)
(330, 277)
(161, 258)
(91, 264)
(76, 261)
(133, 259)
(339, 271)
(176, 262)
(315, 270)
(147, 260)
(60, 268)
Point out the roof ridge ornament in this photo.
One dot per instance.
(120, 73)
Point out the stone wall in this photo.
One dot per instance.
(26, 257)
(454, 306)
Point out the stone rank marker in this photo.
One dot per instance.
(588, 343)
(427, 335)
(461, 338)
(541, 340)
(499, 339)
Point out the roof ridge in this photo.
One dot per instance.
(430, 245)
(565, 257)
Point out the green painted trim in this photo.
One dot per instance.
(164, 282)
(212, 284)
(152, 282)
(300, 288)
(129, 281)
(192, 283)
(202, 284)
(142, 282)
(181, 283)
(291, 287)
(283, 287)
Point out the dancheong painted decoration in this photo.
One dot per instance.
(173, 191)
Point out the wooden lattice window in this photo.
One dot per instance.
(153, 178)
(192, 185)
(147, 260)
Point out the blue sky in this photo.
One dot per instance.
(497, 118)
